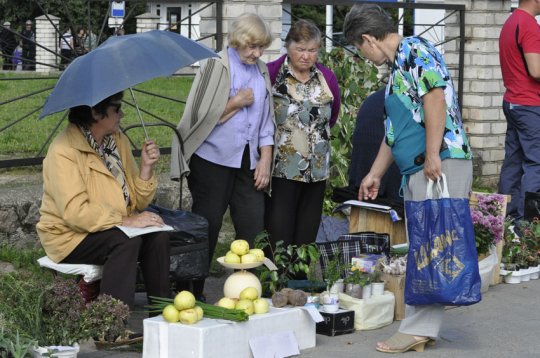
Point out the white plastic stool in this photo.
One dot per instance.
(90, 273)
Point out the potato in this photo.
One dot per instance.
(279, 299)
(297, 298)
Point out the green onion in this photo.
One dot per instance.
(210, 311)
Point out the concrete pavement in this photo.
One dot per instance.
(506, 323)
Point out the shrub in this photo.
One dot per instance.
(357, 79)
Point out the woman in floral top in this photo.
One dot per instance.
(306, 105)
(424, 135)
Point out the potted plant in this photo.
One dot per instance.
(356, 284)
(290, 262)
(377, 284)
(334, 284)
(488, 221)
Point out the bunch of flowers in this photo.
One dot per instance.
(488, 221)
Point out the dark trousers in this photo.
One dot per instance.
(119, 255)
(293, 212)
(214, 188)
(28, 58)
(521, 167)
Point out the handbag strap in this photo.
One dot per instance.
(442, 191)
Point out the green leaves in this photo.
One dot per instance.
(290, 261)
(357, 79)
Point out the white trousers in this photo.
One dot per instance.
(426, 320)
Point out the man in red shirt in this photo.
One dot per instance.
(519, 52)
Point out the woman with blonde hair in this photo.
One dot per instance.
(228, 132)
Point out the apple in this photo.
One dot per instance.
(261, 305)
(248, 258)
(200, 312)
(231, 258)
(259, 253)
(249, 293)
(171, 314)
(240, 247)
(184, 300)
(226, 302)
(246, 305)
(188, 316)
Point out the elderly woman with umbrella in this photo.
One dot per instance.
(228, 132)
(91, 182)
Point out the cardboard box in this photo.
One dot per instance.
(336, 323)
(396, 285)
(211, 338)
(363, 219)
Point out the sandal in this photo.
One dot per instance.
(400, 343)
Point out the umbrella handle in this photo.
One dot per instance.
(139, 113)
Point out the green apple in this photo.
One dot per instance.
(226, 302)
(259, 253)
(188, 316)
(249, 293)
(261, 305)
(184, 300)
(240, 247)
(231, 258)
(171, 314)
(248, 258)
(246, 305)
(200, 312)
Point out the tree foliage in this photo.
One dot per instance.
(357, 79)
(72, 13)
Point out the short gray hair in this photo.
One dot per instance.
(367, 19)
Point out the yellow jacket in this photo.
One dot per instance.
(81, 196)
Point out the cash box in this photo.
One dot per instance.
(336, 323)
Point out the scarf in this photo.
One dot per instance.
(108, 152)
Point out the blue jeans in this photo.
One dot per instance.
(521, 168)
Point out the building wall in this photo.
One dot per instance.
(483, 87)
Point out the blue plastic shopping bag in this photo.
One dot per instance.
(442, 263)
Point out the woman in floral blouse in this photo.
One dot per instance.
(306, 105)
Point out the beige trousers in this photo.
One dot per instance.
(427, 320)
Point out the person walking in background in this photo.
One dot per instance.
(28, 47)
(519, 52)
(90, 40)
(66, 48)
(228, 132)
(8, 43)
(17, 58)
(424, 135)
(78, 41)
(306, 104)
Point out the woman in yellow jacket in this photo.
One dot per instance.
(91, 184)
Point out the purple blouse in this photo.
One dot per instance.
(251, 125)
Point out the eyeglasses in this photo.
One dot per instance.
(117, 106)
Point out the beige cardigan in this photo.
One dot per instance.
(205, 105)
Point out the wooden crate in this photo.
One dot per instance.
(396, 285)
(363, 219)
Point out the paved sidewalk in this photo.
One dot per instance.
(505, 324)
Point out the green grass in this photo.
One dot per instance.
(25, 138)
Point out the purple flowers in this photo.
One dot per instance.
(488, 220)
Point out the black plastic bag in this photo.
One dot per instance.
(532, 205)
(189, 242)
